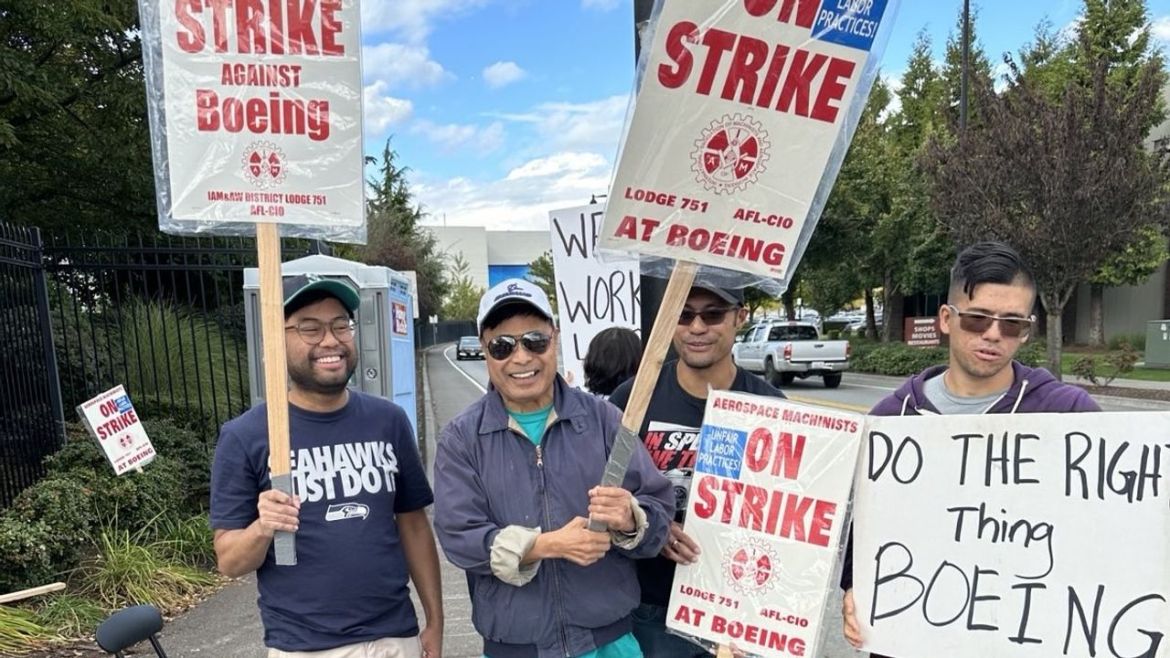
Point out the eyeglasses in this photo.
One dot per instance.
(501, 347)
(978, 323)
(313, 332)
(709, 315)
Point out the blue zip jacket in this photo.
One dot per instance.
(495, 492)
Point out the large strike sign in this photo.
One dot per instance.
(1015, 536)
(743, 105)
(591, 295)
(261, 110)
(767, 507)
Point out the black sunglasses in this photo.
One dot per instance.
(710, 315)
(501, 347)
(977, 323)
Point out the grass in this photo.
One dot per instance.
(1070, 356)
(70, 615)
(128, 573)
(21, 632)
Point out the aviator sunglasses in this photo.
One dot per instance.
(977, 323)
(501, 347)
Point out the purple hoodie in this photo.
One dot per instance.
(1033, 391)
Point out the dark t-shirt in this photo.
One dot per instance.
(670, 432)
(354, 469)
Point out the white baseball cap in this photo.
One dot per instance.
(513, 291)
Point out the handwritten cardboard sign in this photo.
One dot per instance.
(591, 295)
(1015, 536)
(740, 122)
(767, 507)
(261, 110)
(113, 422)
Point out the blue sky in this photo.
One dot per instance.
(505, 109)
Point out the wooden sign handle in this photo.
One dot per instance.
(275, 375)
(673, 301)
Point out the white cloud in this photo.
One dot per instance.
(594, 126)
(601, 5)
(520, 200)
(1160, 28)
(412, 19)
(502, 74)
(383, 111)
(402, 65)
(457, 137)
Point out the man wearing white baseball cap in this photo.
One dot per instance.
(516, 478)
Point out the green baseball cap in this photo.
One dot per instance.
(296, 287)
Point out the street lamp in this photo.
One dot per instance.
(966, 64)
(594, 197)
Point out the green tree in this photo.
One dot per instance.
(754, 299)
(74, 138)
(462, 302)
(395, 237)
(1132, 266)
(1069, 182)
(542, 273)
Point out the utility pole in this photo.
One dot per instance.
(652, 288)
(966, 64)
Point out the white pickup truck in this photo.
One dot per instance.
(783, 351)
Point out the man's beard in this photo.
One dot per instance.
(306, 381)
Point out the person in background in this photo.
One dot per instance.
(516, 475)
(988, 318)
(613, 357)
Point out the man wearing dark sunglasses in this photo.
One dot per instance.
(516, 480)
(702, 339)
(988, 317)
(359, 509)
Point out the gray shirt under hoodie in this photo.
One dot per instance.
(948, 403)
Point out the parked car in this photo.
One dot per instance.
(468, 348)
(785, 351)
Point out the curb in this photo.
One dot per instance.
(424, 439)
(1142, 403)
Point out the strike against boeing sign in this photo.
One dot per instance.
(260, 115)
(1014, 535)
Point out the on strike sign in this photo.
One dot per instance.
(767, 508)
(1015, 536)
(111, 419)
(743, 105)
(261, 109)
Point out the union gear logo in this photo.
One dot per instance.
(749, 567)
(731, 153)
(264, 165)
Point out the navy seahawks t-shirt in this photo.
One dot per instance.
(354, 469)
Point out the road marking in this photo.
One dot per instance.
(826, 403)
(447, 355)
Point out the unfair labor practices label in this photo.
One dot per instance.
(1014, 535)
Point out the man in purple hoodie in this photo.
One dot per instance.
(988, 317)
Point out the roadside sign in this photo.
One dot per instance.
(113, 422)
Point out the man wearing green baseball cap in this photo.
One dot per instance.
(359, 506)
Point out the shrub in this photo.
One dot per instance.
(25, 554)
(66, 508)
(898, 359)
(186, 541)
(1034, 353)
